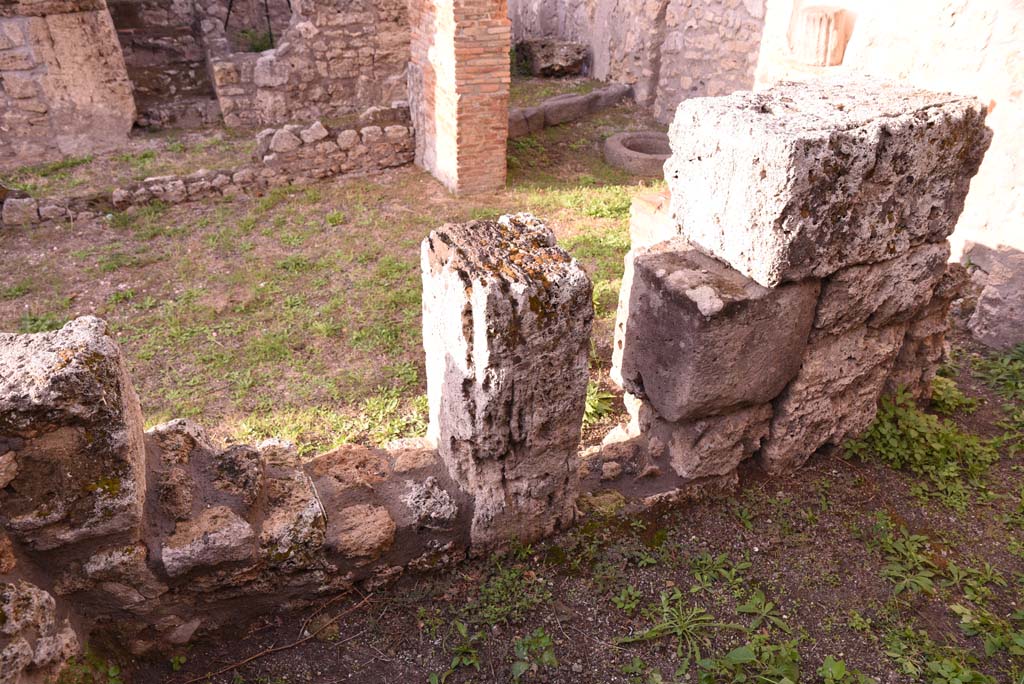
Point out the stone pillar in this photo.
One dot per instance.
(506, 330)
(459, 90)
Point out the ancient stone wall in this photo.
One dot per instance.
(333, 60)
(292, 154)
(667, 50)
(826, 210)
(65, 90)
(794, 274)
(166, 63)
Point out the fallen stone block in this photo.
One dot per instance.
(697, 338)
(553, 58)
(805, 179)
(834, 396)
(518, 127)
(71, 419)
(507, 317)
(998, 318)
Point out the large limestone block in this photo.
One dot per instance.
(71, 419)
(807, 178)
(834, 396)
(699, 339)
(86, 85)
(881, 294)
(507, 318)
(998, 318)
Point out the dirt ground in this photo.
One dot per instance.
(297, 314)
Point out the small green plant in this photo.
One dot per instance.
(335, 218)
(598, 405)
(947, 398)
(256, 41)
(627, 600)
(763, 612)
(464, 654)
(43, 322)
(688, 625)
(508, 595)
(177, 662)
(532, 653)
(1004, 373)
(950, 671)
(758, 660)
(904, 437)
(996, 634)
(19, 289)
(909, 568)
(834, 671)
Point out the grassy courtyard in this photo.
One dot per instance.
(296, 314)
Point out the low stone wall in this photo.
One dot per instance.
(292, 154)
(554, 111)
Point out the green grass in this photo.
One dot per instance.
(19, 289)
(41, 322)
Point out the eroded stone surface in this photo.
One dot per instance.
(805, 179)
(507, 319)
(34, 644)
(696, 338)
(217, 535)
(707, 446)
(294, 523)
(363, 532)
(998, 318)
(69, 414)
(834, 396)
(884, 293)
(923, 347)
